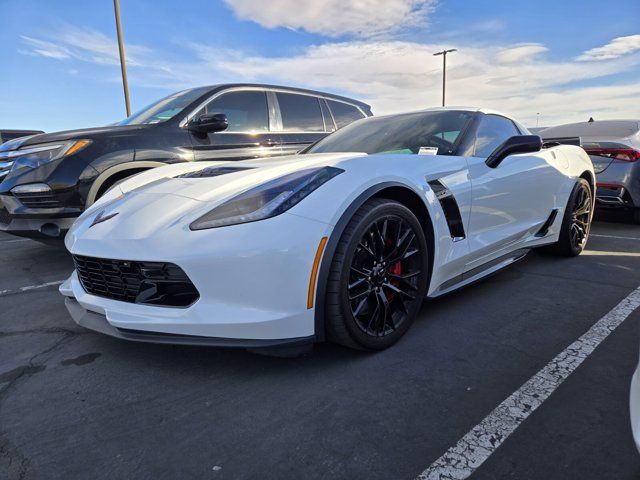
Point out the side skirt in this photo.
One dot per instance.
(480, 272)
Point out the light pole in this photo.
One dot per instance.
(537, 118)
(123, 65)
(444, 69)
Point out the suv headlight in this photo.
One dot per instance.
(267, 200)
(37, 155)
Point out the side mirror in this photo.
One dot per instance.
(209, 123)
(515, 144)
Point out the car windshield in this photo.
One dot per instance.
(433, 132)
(166, 108)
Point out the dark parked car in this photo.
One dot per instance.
(55, 176)
(614, 148)
(6, 135)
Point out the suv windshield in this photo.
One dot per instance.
(406, 133)
(164, 109)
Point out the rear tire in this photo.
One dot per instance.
(378, 277)
(576, 222)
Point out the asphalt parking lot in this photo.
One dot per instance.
(75, 404)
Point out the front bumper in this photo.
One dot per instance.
(253, 281)
(98, 323)
(37, 228)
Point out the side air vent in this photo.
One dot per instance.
(212, 172)
(450, 209)
(544, 229)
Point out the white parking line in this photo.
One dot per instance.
(461, 460)
(613, 236)
(29, 287)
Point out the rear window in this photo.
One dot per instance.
(344, 113)
(300, 113)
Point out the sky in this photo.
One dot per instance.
(545, 62)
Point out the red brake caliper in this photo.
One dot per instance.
(395, 269)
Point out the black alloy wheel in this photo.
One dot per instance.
(576, 222)
(378, 276)
(581, 216)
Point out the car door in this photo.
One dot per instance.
(249, 135)
(510, 201)
(300, 120)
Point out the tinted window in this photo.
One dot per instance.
(398, 134)
(165, 108)
(300, 113)
(343, 113)
(492, 131)
(246, 111)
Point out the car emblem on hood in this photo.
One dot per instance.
(100, 218)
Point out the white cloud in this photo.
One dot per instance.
(363, 18)
(391, 75)
(520, 53)
(614, 49)
(45, 49)
(86, 45)
(394, 76)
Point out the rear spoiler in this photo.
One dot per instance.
(555, 141)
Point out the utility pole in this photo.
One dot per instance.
(123, 65)
(444, 69)
(537, 118)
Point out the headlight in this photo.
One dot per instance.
(267, 200)
(37, 155)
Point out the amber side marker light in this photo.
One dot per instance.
(314, 272)
(79, 145)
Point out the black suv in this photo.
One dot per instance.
(49, 179)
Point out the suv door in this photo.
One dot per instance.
(249, 133)
(511, 201)
(301, 120)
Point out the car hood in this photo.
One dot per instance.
(173, 196)
(213, 181)
(89, 133)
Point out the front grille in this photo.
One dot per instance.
(5, 218)
(38, 200)
(150, 283)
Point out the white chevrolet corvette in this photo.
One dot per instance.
(341, 242)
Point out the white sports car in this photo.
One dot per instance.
(341, 242)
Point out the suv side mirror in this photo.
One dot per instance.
(209, 123)
(515, 144)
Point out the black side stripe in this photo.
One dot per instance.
(450, 209)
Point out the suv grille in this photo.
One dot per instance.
(38, 200)
(150, 283)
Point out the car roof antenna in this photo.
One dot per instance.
(591, 120)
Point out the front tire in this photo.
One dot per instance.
(378, 277)
(576, 222)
